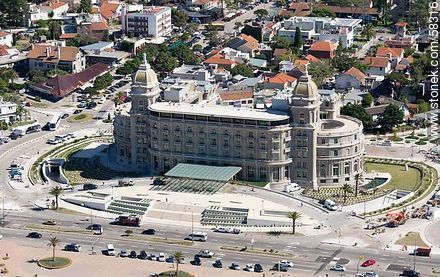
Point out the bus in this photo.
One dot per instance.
(55, 122)
(197, 236)
(23, 130)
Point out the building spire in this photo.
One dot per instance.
(147, 65)
(306, 69)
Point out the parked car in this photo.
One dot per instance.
(206, 254)
(338, 267)
(143, 255)
(161, 257)
(234, 266)
(170, 259)
(110, 250)
(149, 232)
(34, 235)
(410, 273)
(197, 261)
(368, 262)
(45, 127)
(77, 111)
(217, 264)
(222, 230)
(123, 254)
(133, 254)
(50, 222)
(181, 260)
(72, 247)
(280, 267)
(258, 268)
(89, 186)
(249, 267)
(153, 257)
(64, 116)
(370, 274)
(286, 263)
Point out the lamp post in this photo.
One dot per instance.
(3, 209)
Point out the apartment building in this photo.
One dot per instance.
(153, 22)
(304, 140)
(8, 111)
(321, 28)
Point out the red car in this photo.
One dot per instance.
(368, 263)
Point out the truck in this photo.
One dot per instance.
(128, 220)
(125, 183)
(422, 251)
(291, 188)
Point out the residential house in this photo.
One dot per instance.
(321, 28)
(354, 96)
(376, 111)
(247, 84)
(95, 30)
(191, 72)
(366, 13)
(377, 66)
(8, 112)
(245, 44)
(388, 100)
(238, 98)
(10, 56)
(110, 10)
(103, 52)
(201, 5)
(154, 22)
(47, 57)
(6, 38)
(60, 86)
(226, 58)
(42, 11)
(296, 9)
(280, 81)
(352, 78)
(323, 50)
(394, 54)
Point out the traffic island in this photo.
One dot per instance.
(261, 251)
(158, 240)
(413, 239)
(79, 118)
(57, 263)
(173, 274)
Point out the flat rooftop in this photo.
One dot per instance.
(218, 111)
(203, 172)
(340, 125)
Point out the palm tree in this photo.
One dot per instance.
(368, 32)
(178, 256)
(357, 177)
(294, 216)
(56, 191)
(53, 242)
(346, 189)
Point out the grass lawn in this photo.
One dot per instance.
(173, 273)
(410, 239)
(400, 178)
(23, 123)
(82, 117)
(59, 262)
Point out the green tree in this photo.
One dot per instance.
(85, 6)
(36, 76)
(358, 112)
(185, 55)
(391, 117)
(323, 12)
(178, 256)
(165, 62)
(56, 191)
(179, 18)
(357, 178)
(297, 41)
(320, 71)
(197, 48)
(281, 3)
(243, 70)
(423, 106)
(14, 11)
(103, 81)
(367, 100)
(54, 29)
(368, 32)
(261, 13)
(55, 72)
(294, 216)
(92, 91)
(419, 12)
(53, 242)
(281, 42)
(346, 188)
(345, 59)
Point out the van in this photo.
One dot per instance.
(331, 205)
(291, 188)
(72, 247)
(111, 250)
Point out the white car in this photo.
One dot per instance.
(206, 254)
(249, 268)
(371, 274)
(1, 236)
(338, 267)
(286, 263)
(223, 230)
(161, 257)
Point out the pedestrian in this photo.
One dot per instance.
(166, 199)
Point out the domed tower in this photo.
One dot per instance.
(145, 87)
(304, 113)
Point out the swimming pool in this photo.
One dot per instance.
(377, 181)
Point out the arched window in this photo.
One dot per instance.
(301, 118)
(322, 170)
(347, 168)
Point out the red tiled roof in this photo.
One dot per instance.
(99, 26)
(323, 45)
(218, 59)
(301, 62)
(108, 10)
(384, 51)
(311, 58)
(39, 52)
(376, 61)
(401, 24)
(281, 78)
(410, 59)
(68, 36)
(62, 85)
(359, 75)
(4, 50)
(3, 34)
(251, 42)
(278, 52)
(350, 10)
(236, 95)
(56, 5)
(401, 67)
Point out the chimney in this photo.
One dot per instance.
(58, 52)
(48, 51)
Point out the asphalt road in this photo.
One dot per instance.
(307, 257)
